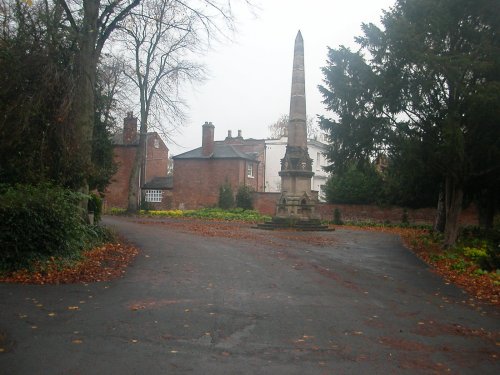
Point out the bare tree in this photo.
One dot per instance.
(278, 129)
(161, 38)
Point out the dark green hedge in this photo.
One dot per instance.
(39, 222)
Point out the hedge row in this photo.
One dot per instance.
(40, 222)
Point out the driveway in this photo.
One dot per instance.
(204, 298)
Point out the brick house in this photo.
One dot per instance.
(155, 185)
(198, 174)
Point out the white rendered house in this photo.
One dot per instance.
(275, 151)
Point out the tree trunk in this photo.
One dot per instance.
(453, 206)
(486, 207)
(440, 220)
(83, 101)
(137, 175)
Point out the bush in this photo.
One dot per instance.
(337, 219)
(238, 214)
(244, 198)
(95, 206)
(404, 218)
(355, 186)
(117, 211)
(226, 196)
(39, 222)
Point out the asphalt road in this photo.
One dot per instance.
(212, 299)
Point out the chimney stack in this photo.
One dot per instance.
(229, 134)
(207, 143)
(129, 129)
(239, 134)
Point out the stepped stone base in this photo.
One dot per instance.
(277, 223)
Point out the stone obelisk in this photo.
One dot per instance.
(297, 200)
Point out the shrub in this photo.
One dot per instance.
(355, 186)
(475, 253)
(337, 218)
(244, 198)
(95, 206)
(117, 211)
(145, 206)
(39, 222)
(404, 218)
(226, 196)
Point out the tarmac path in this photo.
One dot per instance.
(207, 298)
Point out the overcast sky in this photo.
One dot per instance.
(249, 80)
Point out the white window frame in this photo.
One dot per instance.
(153, 195)
(250, 170)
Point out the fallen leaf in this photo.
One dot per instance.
(77, 341)
(51, 314)
(101, 263)
(73, 308)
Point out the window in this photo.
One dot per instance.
(250, 170)
(154, 195)
(318, 161)
(157, 143)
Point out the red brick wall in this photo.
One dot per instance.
(116, 194)
(391, 214)
(165, 204)
(249, 146)
(157, 158)
(266, 203)
(197, 181)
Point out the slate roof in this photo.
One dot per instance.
(159, 183)
(221, 151)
